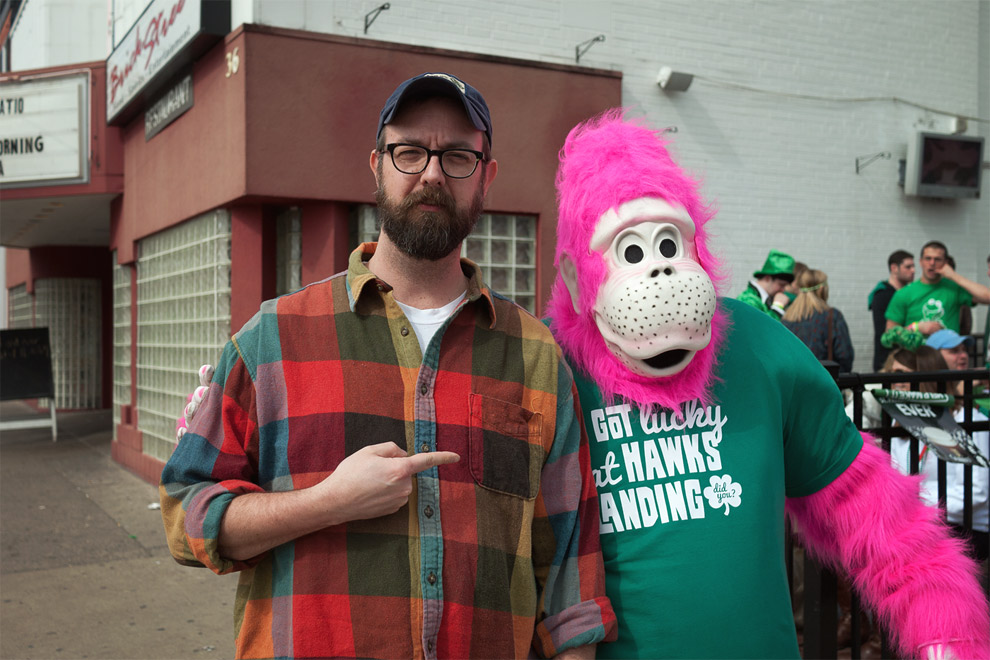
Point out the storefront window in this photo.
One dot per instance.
(121, 339)
(20, 307)
(288, 264)
(183, 308)
(503, 245)
(70, 309)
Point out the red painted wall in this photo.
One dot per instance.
(296, 122)
(18, 268)
(195, 164)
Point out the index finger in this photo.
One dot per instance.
(424, 461)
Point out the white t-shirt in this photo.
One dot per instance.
(900, 455)
(426, 322)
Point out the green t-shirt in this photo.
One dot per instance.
(929, 302)
(692, 514)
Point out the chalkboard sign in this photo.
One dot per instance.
(25, 364)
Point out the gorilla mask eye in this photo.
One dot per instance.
(668, 248)
(668, 242)
(633, 254)
(630, 249)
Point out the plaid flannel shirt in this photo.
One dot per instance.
(493, 556)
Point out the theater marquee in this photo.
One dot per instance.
(44, 131)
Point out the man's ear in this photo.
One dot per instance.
(568, 273)
(374, 163)
(491, 170)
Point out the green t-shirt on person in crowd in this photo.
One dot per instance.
(918, 301)
(692, 512)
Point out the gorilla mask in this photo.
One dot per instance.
(634, 304)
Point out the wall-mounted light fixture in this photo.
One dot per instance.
(370, 17)
(583, 47)
(673, 81)
(863, 161)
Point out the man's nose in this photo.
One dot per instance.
(433, 174)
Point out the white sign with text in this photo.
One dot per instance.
(161, 32)
(44, 129)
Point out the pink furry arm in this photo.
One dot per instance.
(900, 556)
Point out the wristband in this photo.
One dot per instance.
(939, 650)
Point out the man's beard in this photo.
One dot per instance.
(430, 235)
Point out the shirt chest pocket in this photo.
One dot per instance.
(506, 454)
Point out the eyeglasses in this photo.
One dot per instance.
(413, 159)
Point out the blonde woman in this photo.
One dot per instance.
(822, 328)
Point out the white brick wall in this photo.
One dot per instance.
(778, 159)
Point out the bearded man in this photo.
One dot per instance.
(325, 460)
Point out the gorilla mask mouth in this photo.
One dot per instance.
(667, 359)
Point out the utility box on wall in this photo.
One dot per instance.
(948, 166)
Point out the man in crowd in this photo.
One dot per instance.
(389, 485)
(934, 301)
(900, 267)
(765, 291)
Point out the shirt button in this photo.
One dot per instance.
(429, 646)
(423, 448)
(404, 332)
(428, 511)
(432, 578)
(423, 390)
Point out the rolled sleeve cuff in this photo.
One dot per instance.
(202, 524)
(588, 622)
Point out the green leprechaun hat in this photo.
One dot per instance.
(777, 264)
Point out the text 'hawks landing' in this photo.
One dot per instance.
(682, 447)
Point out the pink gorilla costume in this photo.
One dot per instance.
(681, 389)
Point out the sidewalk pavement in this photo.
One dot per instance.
(84, 568)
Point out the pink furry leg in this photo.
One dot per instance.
(900, 556)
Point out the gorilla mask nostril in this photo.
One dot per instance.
(668, 271)
(654, 273)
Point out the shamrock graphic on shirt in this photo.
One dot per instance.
(723, 492)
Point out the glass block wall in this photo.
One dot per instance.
(183, 319)
(121, 339)
(288, 262)
(504, 246)
(20, 307)
(70, 309)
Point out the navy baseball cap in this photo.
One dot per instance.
(440, 84)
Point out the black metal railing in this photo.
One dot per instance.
(820, 586)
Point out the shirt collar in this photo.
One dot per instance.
(361, 282)
(759, 289)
